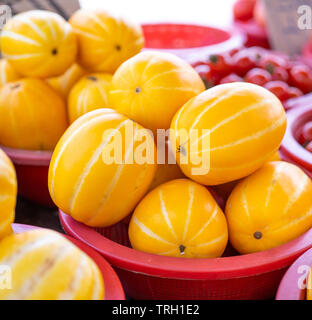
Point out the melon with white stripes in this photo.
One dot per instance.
(101, 168)
(269, 208)
(150, 87)
(8, 193)
(7, 72)
(89, 93)
(227, 132)
(32, 115)
(63, 83)
(39, 44)
(105, 41)
(46, 266)
(179, 218)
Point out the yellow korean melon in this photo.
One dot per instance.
(7, 72)
(46, 266)
(39, 43)
(227, 132)
(32, 115)
(105, 41)
(179, 218)
(89, 93)
(150, 87)
(63, 83)
(8, 193)
(102, 167)
(269, 208)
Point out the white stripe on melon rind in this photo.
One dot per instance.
(115, 179)
(150, 233)
(93, 160)
(19, 37)
(68, 141)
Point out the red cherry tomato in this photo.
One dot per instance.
(233, 77)
(243, 61)
(280, 74)
(209, 77)
(294, 92)
(309, 146)
(279, 88)
(307, 131)
(258, 76)
(271, 61)
(243, 9)
(220, 64)
(301, 77)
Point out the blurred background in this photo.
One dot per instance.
(218, 12)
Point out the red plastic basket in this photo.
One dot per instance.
(32, 174)
(113, 287)
(295, 279)
(190, 42)
(291, 150)
(148, 276)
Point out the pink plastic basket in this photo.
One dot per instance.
(291, 150)
(113, 287)
(148, 276)
(296, 275)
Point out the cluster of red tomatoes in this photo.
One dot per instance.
(285, 77)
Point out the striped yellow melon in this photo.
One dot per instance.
(7, 72)
(63, 83)
(150, 87)
(46, 266)
(269, 208)
(181, 219)
(8, 192)
(105, 41)
(32, 115)
(89, 93)
(276, 157)
(39, 44)
(89, 180)
(227, 132)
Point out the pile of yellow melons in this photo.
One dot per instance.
(120, 102)
(54, 71)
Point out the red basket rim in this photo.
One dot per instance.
(28, 157)
(177, 268)
(236, 40)
(113, 287)
(290, 146)
(288, 288)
